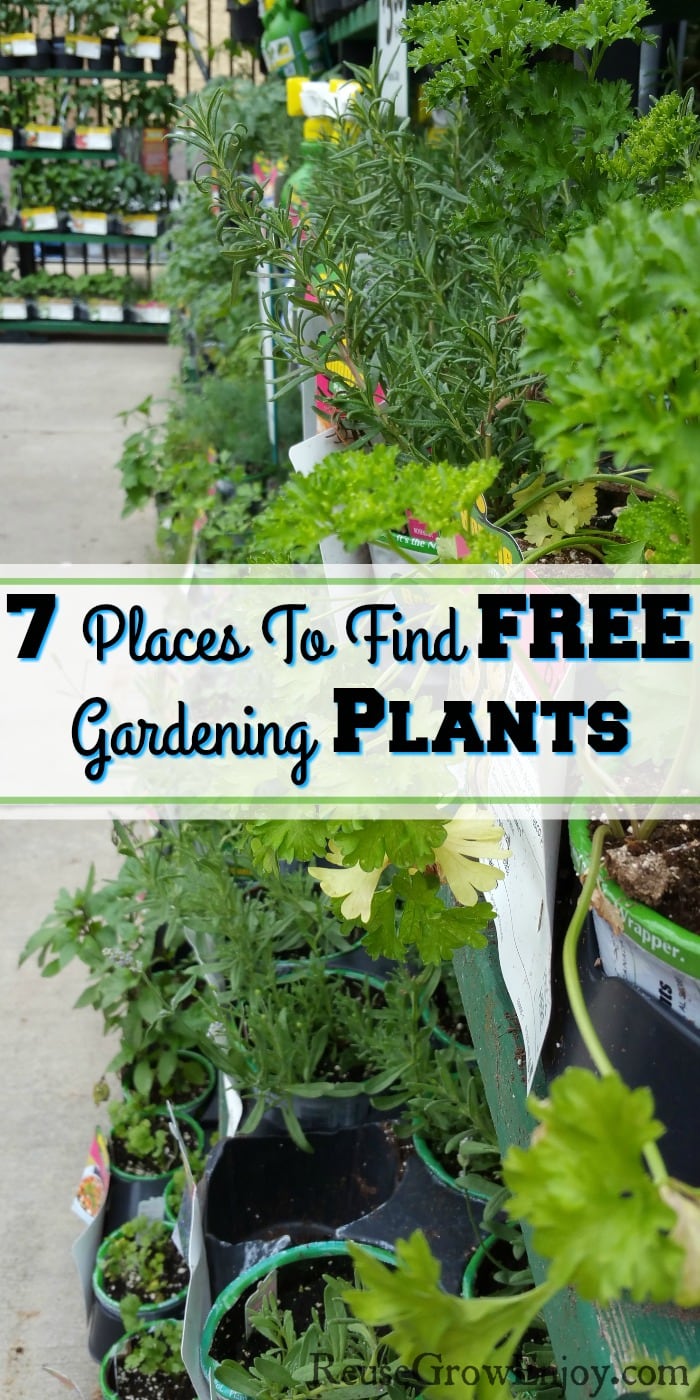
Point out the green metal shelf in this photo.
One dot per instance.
(120, 328)
(85, 75)
(39, 153)
(110, 240)
(363, 20)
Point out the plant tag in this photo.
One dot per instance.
(84, 45)
(145, 46)
(267, 1288)
(88, 221)
(152, 313)
(145, 225)
(89, 1205)
(153, 1208)
(55, 309)
(41, 218)
(198, 1303)
(13, 309)
(524, 905)
(42, 137)
(623, 958)
(7, 138)
(19, 45)
(393, 54)
(105, 310)
(93, 138)
(230, 1107)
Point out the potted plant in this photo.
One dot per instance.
(139, 198)
(175, 1189)
(313, 1046)
(139, 1278)
(87, 37)
(17, 38)
(143, 27)
(18, 109)
(150, 1360)
(34, 194)
(140, 972)
(94, 128)
(448, 1117)
(300, 1281)
(13, 305)
(44, 125)
(51, 295)
(143, 1154)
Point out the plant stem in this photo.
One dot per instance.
(598, 478)
(574, 991)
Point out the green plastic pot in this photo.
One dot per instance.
(327, 1249)
(654, 934)
(105, 1326)
(193, 1106)
(437, 1170)
(107, 1392)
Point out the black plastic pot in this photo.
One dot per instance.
(127, 1192)
(246, 24)
(7, 60)
(261, 1189)
(43, 56)
(127, 63)
(168, 55)
(647, 1043)
(108, 49)
(63, 57)
(106, 1327)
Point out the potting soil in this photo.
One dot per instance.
(663, 872)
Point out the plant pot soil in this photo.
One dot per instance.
(662, 872)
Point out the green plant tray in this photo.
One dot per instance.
(51, 235)
(80, 74)
(121, 328)
(36, 154)
(363, 20)
(583, 1334)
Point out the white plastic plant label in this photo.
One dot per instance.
(145, 225)
(43, 138)
(198, 1304)
(230, 1107)
(93, 138)
(38, 220)
(146, 46)
(105, 311)
(393, 54)
(13, 309)
(152, 313)
(88, 221)
(7, 138)
(84, 45)
(621, 957)
(89, 1205)
(524, 903)
(19, 45)
(55, 309)
(153, 1208)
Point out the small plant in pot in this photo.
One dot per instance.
(269, 1329)
(147, 1365)
(314, 1044)
(18, 108)
(88, 36)
(175, 1189)
(141, 1144)
(139, 1278)
(449, 1120)
(51, 294)
(13, 306)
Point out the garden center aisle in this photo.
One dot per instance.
(59, 442)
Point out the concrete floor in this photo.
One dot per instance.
(59, 442)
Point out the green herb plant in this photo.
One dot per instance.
(144, 1136)
(135, 1262)
(154, 1351)
(334, 1355)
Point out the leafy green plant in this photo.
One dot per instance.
(93, 17)
(178, 1183)
(154, 1350)
(140, 972)
(446, 1106)
(19, 104)
(613, 289)
(143, 1136)
(149, 105)
(48, 284)
(334, 1355)
(310, 1034)
(107, 286)
(140, 1264)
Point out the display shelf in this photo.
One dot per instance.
(363, 20)
(110, 240)
(39, 153)
(120, 328)
(85, 75)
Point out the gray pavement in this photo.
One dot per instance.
(59, 441)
